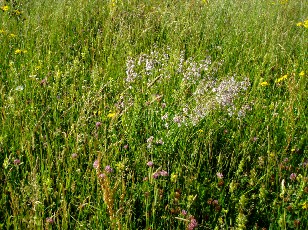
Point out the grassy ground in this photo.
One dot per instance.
(153, 114)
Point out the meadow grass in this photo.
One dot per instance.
(153, 114)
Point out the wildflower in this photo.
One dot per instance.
(165, 117)
(50, 220)
(108, 169)
(102, 175)
(111, 115)
(160, 142)
(125, 147)
(305, 205)
(74, 155)
(306, 23)
(264, 83)
(215, 202)
(2, 31)
(19, 88)
(150, 139)
(281, 78)
(150, 164)
(98, 124)
(174, 177)
(163, 173)
(184, 212)
(299, 24)
(5, 8)
(96, 164)
(192, 224)
(293, 176)
(302, 73)
(155, 175)
(17, 162)
(18, 51)
(220, 175)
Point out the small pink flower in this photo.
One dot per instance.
(17, 162)
(163, 173)
(293, 176)
(102, 175)
(155, 175)
(192, 224)
(184, 212)
(98, 124)
(108, 169)
(220, 175)
(50, 220)
(74, 155)
(96, 164)
(150, 164)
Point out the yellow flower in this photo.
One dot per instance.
(111, 115)
(18, 51)
(5, 8)
(305, 205)
(281, 78)
(306, 23)
(264, 83)
(2, 31)
(12, 35)
(302, 74)
(299, 24)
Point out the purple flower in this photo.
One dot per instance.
(163, 173)
(150, 164)
(293, 176)
(125, 146)
(17, 162)
(96, 164)
(50, 220)
(192, 224)
(184, 212)
(108, 169)
(74, 155)
(220, 175)
(215, 202)
(102, 175)
(155, 175)
(98, 124)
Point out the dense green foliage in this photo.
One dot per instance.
(153, 114)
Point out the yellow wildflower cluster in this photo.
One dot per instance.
(281, 78)
(5, 8)
(302, 74)
(264, 83)
(304, 24)
(111, 115)
(19, 51)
